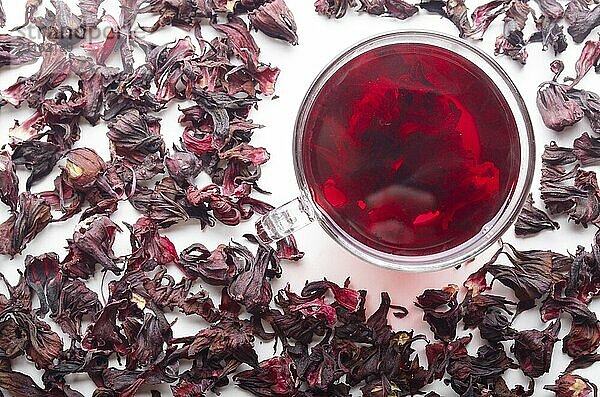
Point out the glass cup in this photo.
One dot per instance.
(304, 210)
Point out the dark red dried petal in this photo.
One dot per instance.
(274, 378)
(533, 349)
(275, 19)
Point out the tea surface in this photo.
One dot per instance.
(410, 149)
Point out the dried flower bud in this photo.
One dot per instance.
(569, 385)
(556, 108)
(83, 168)
(275, 19)
(557, 66)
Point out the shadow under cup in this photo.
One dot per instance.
(414, 151)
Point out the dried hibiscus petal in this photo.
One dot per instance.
(148, 245)
(583, 24)
(30, 218)
(9, 181)
(54, 70)
(333, 8)
(443, 323)
(583, 337)
(551, 8)
(92, 243)
(37, 156)
(275, 19)
(590, 103)
(274, 378)
(590, 56)
(15, 50)
(533, 349)
(557, 109)
(569, 385)
(75, 301)
(533, 220)
(587, 149)
(43, 276)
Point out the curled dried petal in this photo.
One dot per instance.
(30, 218)
(590, 56)
(9, 181)
(556, 108)
(533, 349)
(550, 8)
(15, 50)
(275, 19)
(274, 378)
(584, 23)
(533, 220)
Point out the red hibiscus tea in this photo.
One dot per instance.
(411, 149)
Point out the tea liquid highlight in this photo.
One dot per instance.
(411, 149)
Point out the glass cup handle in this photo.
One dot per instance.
(285, 220)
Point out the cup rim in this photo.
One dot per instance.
(494, 229)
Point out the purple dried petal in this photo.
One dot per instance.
(251, 287)
(590, 56)
(31, 7)
(443, 323)
(103, 333)
(582, 362)
(575, 9)
(373, 7)
(590, 103)
(62, 26)
(551, 35)
(136, 138)
(274, 378)
(183, 166)
(266, 77)
(54, 70)
(9, 181)
(242, 42)
(333, 8)
(550, 8)
(583, 337)
(89, 12)
(400, 9)
(83, 168)
(483, 16)
(213, 267)
(456, 11)
(275, 19)
(556, 108)
(287, 249)
(516, 51)
(246, 153)
(15, 50)
(587, 149)
(585, 21)
(76, 301)
(30, 218)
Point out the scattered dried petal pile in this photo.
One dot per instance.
(329, 345)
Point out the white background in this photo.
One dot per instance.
(320, 40)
